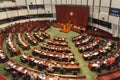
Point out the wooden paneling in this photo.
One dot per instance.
(79, 17)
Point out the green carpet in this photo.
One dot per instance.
(84, 70)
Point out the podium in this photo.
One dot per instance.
(66, 27)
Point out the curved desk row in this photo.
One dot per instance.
(110, 75)
(90, 46)
(11, 46)
(22, 42)
(98, 53)
(53, 55)
(68, 66)
(84, 41)
(30, 39)
(59, 39)
(79, 37)
(45, 35)
(39, 37)
(41, 75)
(56, 48)
(3, 56)
(105, 63)
(57, 43)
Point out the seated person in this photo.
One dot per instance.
(62, 69)
(15, 75)
(50, 67)
(26, 77)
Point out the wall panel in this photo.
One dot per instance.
(114, 20)
(12, 13)
(39, 1)
(47, 1)
(84, 2)
(48, 9)
(115, 4)
(73, 2)
(69, 1)
(58, 1)
(105, 3)
(103, 15)
(3, 15)
(53, 1)
(22, 12)
(63, 1)
(96, 12)
(90, 2)
(20, 2)
(78, 2)
(96, 2)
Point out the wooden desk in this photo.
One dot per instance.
(2, 77)
(90, 46)
(46, 35)
(57, 43)
(115, 73)
(109, 61)
(39, 37)
(56, 48)
(22, 42)
(97, 52)
(79, 37)
(66, 27)
(31, 39)
(53, 55)
(3, 56)
(57, 65)
(11, 46)
(59, 39)
(83, 42)
(23, 70)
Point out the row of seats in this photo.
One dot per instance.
(11, 46)
(90, 46)
(57, 43)
(28, 26)
(54, 48)
(95, 54)
(17, 70)
(3, 55)
(98, 53)
(110, 75)
(22, 42)
(50, 65)
(107, 62)
(31, 39)
(53, 55)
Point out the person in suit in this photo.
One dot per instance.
(15, 75)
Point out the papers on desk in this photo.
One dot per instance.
(2, 56)
(86, 55)
(51, 55)
(95, 53)
(25, 71)
(37, 50)
(42, 76)
(96, 65)
(36, 61)
(19, 68)
(14, 66)
(9, 63)
(51, 78)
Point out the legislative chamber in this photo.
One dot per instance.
(59, 40)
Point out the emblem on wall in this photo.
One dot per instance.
(71, 13)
